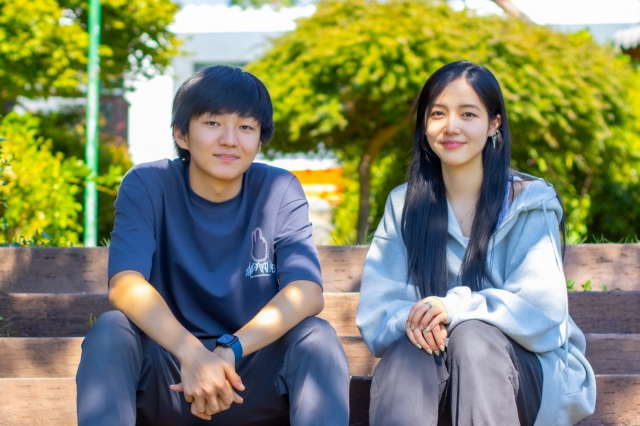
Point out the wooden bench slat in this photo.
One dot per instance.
(59, 315)
(618, 401)
(41, 402)
(50, 357)
(61, 270)
(84, 270)
(616, 265)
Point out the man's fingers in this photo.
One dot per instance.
(195, 412)
(200, 403)
(233, 377)
(177, 388)
(213, 407)
(237, 398)
(226, 395)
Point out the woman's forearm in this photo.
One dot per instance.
(297, 301)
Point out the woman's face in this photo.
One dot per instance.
(458, 126)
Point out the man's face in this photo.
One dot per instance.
(222, 147)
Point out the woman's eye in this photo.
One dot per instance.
(437, 114)
(468, 114)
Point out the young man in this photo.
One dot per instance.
(216, 281)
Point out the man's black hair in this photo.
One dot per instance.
(222, 90)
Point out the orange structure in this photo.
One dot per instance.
(325, 184)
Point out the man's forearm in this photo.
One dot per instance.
(130, 293)
(297, 301)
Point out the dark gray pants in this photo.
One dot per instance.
(124, 377)
(483, 378)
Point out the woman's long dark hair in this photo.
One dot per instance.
(425, 214)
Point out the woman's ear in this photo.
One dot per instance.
(180, 139)
(495, 124)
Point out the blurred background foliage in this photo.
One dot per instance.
(43, 53)
(348, 76)
(44, 43)
(38, 186)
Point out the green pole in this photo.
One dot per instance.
(93, 109)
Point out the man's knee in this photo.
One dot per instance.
(314, 335)
(112, 329)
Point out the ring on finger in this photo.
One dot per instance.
(427, 303)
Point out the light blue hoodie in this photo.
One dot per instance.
(525, 298)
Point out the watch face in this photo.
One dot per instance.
(227, 340)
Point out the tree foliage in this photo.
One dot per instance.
(348, 75)
(43, 44)
(66, 130)
(38, 187)
(43, 52)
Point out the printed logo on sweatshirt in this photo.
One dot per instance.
(261, 265)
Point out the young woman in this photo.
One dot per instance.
(463, 294)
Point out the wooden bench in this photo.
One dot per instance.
(48, 296)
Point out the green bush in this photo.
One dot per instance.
(38, 187)
(66, 130)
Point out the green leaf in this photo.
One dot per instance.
(570, 284)
(587, 286)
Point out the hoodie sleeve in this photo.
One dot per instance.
(385, 297)
(531, 305)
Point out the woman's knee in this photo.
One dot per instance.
(476, 341)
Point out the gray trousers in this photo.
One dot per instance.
(483, 378)
(124, 377)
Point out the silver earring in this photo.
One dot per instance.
(493, 139)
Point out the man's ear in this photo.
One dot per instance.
(181, 140)
(494, 124)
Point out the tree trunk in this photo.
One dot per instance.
(364, 177)
(7, 106)
(510, 9)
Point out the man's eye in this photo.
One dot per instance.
(246, 127)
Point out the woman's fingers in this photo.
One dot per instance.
(436, 335)
(423, 312)
(423, 342)
(428, 337)
(418, 311)
(410, 335)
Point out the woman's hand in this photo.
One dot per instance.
(425, 325)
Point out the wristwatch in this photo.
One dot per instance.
(231, 341)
